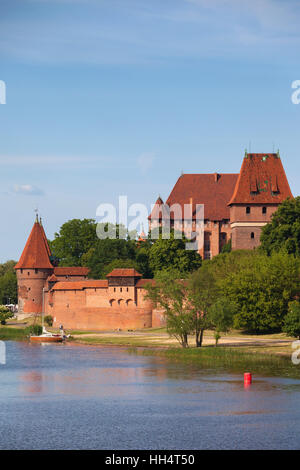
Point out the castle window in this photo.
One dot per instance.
(36, 271)
(248, 210)
(264, 210)
(252, 234)
(21, 271)
(120, 289)
(28, 273)
(114, 289)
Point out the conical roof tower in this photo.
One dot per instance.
(36, 254)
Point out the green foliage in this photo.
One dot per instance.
(48, 320)
(262, 287)
(203, 292)
(221, 315)
(5, 314)
(75, 238)
(8, 283)
(35, 330)
(283, 232)
(106, 251)
(169, 294)
(227, 247)
(171, 254)
(291, 324)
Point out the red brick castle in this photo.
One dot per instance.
(236, 207)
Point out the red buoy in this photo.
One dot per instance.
(247, 378)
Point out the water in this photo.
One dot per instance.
(84, 397)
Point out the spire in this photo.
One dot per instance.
(36, 252)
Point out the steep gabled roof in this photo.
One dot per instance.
(213, 190)
(36, 252)
(262, 179)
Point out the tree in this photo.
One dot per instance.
(171, 254)
(107, 250)
(5, 314)
(169, 293)
(262, 288)
(291, 325)
(221, 315)
(202, 294)
(75, 238)
(283, 232)
(8, 288)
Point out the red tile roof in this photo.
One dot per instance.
(36, 252)
(71, 271)
(52, 278)
(80, 285)
(213, 190)
(262, 179)
(127, 272)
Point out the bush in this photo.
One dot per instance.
(5, 314)
(35, 330)
(291, 324)
(48, 320)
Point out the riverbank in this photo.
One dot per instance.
(237, 352)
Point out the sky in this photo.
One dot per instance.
(119, 97)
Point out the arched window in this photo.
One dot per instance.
(248, 210)
(252, 234)
(264, 210)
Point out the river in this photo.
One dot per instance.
(73, 396)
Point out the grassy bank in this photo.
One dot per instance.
(227, 359)
(13, 334)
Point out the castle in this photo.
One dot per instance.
(236, 207)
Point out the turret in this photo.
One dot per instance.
(33, 268)
(261, 186)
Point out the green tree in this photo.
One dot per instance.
(291, 325)
(8, 288)
(203, 292)
(262, 288)
(107, 250)
(283, 232)
(221, 315)
(169, 293)
(5, 314)
(75, 238)
(171, 254)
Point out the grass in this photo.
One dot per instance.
(224, 358)
(10, 333)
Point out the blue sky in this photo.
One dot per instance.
(118, 97)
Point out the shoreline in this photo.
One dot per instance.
(268, 355)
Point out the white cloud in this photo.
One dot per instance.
(27, 189)
(145, 162)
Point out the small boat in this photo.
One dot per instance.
(47, 337)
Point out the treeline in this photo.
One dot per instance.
(77, 244)
(8, 283)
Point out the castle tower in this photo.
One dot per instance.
(261, 186)
(33, 269)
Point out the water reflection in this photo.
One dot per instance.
(74, 396)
